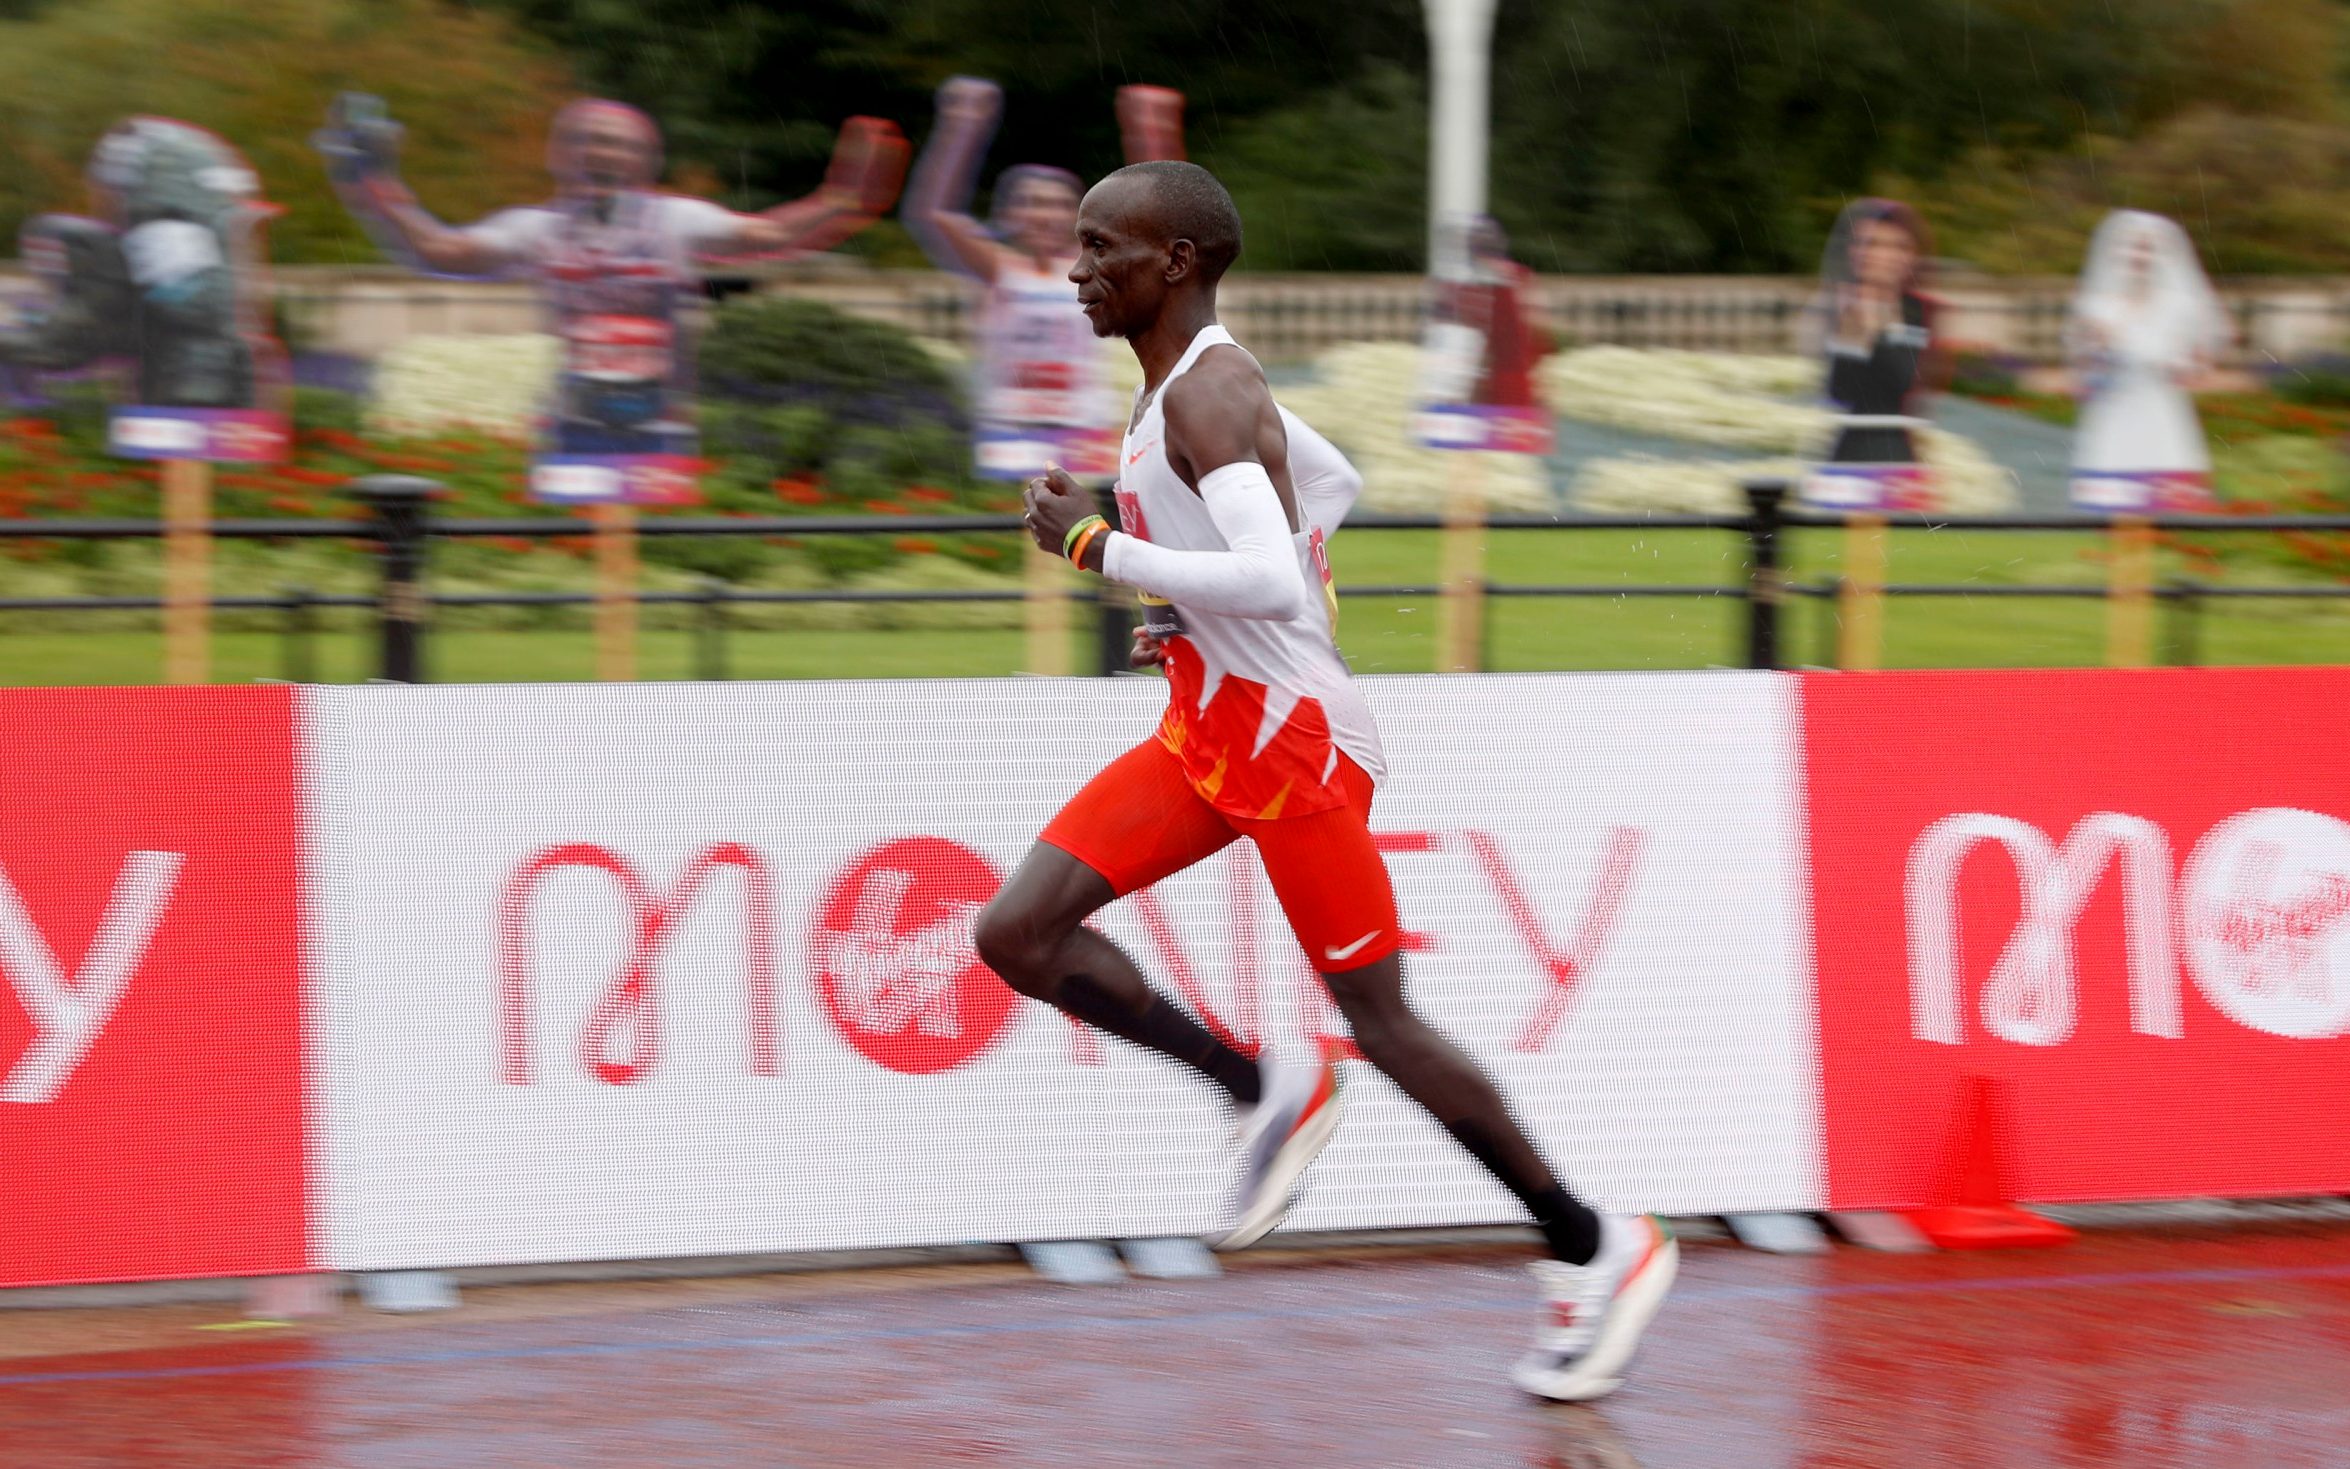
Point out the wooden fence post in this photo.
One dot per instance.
(187, 571)
(1460, 604)
(616, 578)
(2129, 611)
(1860, 624)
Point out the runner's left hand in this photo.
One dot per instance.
(1054, 503)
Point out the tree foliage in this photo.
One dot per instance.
(471, 88)
(2258, 194)
(474, 91)
(1725, 134)
(1628, 134)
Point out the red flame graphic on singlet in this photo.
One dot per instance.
(1292, 775)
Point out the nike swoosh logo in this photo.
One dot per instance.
(1136, 456)
(1340, 956)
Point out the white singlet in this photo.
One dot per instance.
(1259, 712)
(1039, 359)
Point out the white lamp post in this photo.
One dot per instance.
(1460, 53)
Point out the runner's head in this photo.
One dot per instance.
(1148, 235)
(1036, 209)
(600, 146)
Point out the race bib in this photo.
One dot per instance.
(1318, 547)
(1043, 377)
(621, 348)
(169, 250)
(1159, 617)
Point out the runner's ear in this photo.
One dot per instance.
(1182, 261)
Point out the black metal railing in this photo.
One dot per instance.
(401, 527)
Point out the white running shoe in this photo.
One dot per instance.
(1599, 1310)
(1279, 1136)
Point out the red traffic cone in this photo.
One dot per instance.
(1977, 1213)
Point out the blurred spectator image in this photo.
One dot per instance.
(617, 259)
(1043, 392)
(2145, 326)
(167, 279)
(1494, 299)
(1483, 345)
(1878, 329)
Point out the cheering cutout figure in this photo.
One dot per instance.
(1875, 323)
(1043, 390)
(2146, 327)
(167, 287)
(1484, 340)
(619, 264)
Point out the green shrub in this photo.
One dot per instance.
(2316, 382)
(1977, 373)
(811, 411)
(777, 349)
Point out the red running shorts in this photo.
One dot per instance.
(1140, 821)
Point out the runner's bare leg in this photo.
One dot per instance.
(1441, 1077)
(1033, 935)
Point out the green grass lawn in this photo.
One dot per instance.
(1380, 635)
(2268, 453)
(555, 655)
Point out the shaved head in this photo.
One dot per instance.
(1153, 239)
(1170, 201)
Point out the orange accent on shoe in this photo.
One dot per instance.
(1324, 1090)
(1656, 1237)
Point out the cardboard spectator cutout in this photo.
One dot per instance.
(1483, 346)
(619, 264)
(166, 289)
(1042, 390)
(2145, 325)
(1875, 325)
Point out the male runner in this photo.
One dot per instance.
(1265, 736)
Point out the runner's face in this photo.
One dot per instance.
(1043, 217)
(610, 152)
(1882, 254)
(1120, 271)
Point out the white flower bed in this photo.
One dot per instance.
(1362, 397)
(1966, 480)
(1739, 402)
(429, 384)
(1736, 402)
(1362, 400)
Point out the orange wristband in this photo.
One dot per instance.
(1084, 542)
